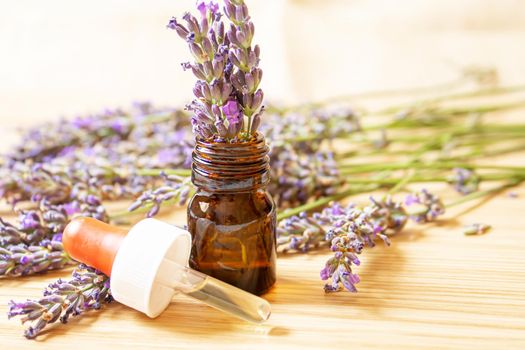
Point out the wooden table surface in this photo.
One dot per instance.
(434, 288)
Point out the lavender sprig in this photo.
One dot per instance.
(175, 188)
(298, 176)
(347, 229)
(228, 104)
(353, 230)
(388, 214)
(88, 290)
(35, 245)
(22, 259)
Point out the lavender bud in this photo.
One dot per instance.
(198, 71)
(215, 90)
(179, 28)
(229, 10)
(221, 128)
(193, 25)
(220, 32)
(234, 59)
(197, 91)
(208, 47)
(241, 13)
(251, 60)
(250, 82)
(257, 100)
(216, 111)
(197, 52)
(218, 67)
(255, 123)
(208, 70)
(232, 130)
(203, 26)
(226, 91)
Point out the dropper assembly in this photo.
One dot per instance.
(149, 265)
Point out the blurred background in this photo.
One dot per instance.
(63, 58)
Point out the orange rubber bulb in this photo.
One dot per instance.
(93, 242)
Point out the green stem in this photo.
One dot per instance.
(415, 179)
(370, 94)
(402, 183)
(490, 153)
(347, 169)
(493, 91)
(484, 193)
(325, 200)
(454, 96)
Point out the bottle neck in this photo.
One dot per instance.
(231, 167)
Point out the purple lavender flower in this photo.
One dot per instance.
(424, 206)
(228, 104)
(465, 181)
(210, 7)
(175, 189)
(346, 230)
(29, 220)
(302, 175)
(22, 259)
(88, 290)
(387, 215)
(232, 112)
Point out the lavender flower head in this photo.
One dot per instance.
(424, 206)
(465, 181)
(391, 216)
(228, 104)
(347, 230)
(87, 290)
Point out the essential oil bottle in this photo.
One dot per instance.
(231, 217)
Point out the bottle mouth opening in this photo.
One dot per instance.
(227, 167)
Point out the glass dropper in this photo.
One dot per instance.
(214, 292)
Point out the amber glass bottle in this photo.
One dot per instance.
(232, 217)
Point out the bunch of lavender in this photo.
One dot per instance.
(102, 150)
(347, 230)
(68, 168)
(88, 290)
(228, 99)
(308, 129)
(300, 176)
(34, 245)
(22, 259)
(355, 229)
(306, 231)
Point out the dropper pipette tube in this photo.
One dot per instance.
(215, 293)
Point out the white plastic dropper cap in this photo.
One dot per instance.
(140, 268)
